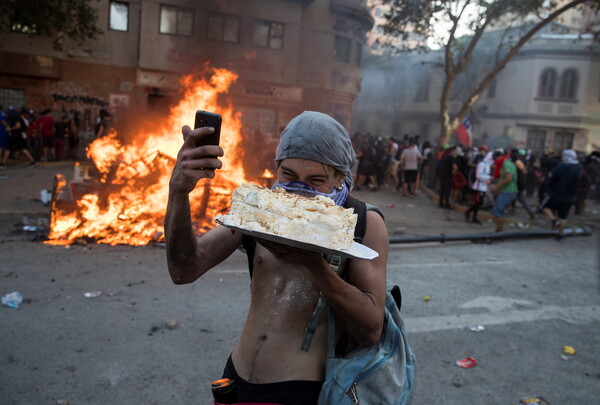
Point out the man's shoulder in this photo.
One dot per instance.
(509, 165)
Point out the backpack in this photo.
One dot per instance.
(378, 375)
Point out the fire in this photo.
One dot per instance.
(267, 174)
(126, 205)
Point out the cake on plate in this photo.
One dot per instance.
(316, 220)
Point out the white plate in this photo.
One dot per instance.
(357, 250)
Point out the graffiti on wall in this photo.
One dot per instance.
(68, 95)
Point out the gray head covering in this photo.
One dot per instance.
(569, 156)
(316, 136)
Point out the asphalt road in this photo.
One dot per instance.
(533, 297)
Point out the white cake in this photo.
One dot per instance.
(315, 220)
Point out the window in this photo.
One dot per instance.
(491, 90)
(358, 55)
(562, 141)
(176, 21)
(568, 84)
(224, 28)
(268, 34)
(119, 16)
(547, 83)
(12, 97)
(536, 140)
(341, 49)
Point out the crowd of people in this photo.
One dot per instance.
(48, 135)
(479, 178)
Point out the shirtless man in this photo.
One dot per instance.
(267, 361)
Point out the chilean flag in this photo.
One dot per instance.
(463, 132)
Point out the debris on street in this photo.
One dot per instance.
(468, 362)
(477, 328)
(533, 401)
(13, 299)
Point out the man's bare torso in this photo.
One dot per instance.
(282, 302)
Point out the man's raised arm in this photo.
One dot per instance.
(188, 259)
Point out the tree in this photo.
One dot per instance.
(57, 19)
(415, 21)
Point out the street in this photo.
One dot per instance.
(532, 297)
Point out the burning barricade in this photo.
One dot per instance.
(121, 196)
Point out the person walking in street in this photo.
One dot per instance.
(314, 151)
(392, 170)
(426, 163)
(483, 177)
(45, 125)
(74, 135)
(517, 156)
(561, 190)
(446, 170)
(366, 163)
(17, 139)
(409, 160)
(505, 190)
(62, 131)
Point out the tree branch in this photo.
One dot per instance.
(504, 61)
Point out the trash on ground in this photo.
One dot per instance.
(468, 362)
(400, 229)
(31, 228)
(427, 298)
(63, 402)
(45, 196)
(172, 324)
(92, 294)
(477, 328)
(390, 205)
(491, 259)
(533, 401)
(569, 350)
(13, 299)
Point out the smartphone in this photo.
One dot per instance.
(208, 119)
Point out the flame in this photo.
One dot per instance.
(267, 174)
(128, 201)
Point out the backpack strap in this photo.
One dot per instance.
(249, 246)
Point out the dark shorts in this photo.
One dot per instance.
(410, 176)
(366, 169)
(285, 393)
(561, 208)
(16, 143)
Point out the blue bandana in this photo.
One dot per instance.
(302, 188)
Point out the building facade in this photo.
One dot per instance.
(546, 98)
(290, 55)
